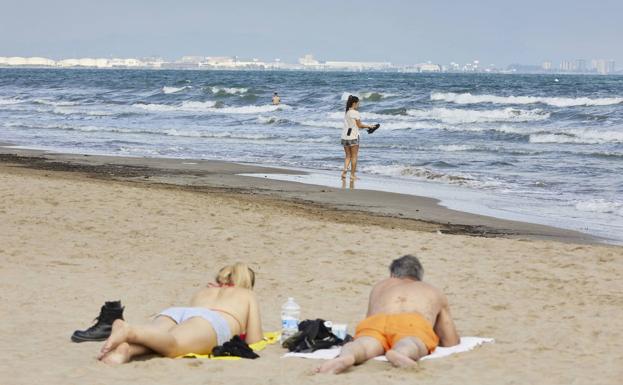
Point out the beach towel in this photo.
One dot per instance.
(466, 344)
(269, 339)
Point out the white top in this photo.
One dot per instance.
(349, 122)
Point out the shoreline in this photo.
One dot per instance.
(219, 177)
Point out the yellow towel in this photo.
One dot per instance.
(269, 339)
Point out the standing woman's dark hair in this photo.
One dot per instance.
(352, 99)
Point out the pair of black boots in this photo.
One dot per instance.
(111, 311)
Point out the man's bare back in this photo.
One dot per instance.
(407, 319)
(405, 295)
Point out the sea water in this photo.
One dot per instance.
(527, 146)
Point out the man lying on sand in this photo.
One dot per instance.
(216, 313)
(401, 314)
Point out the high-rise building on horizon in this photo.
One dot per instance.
(547, 65)
(580, 65)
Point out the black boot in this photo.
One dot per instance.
(102, 329)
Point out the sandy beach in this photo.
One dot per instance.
(76, 232)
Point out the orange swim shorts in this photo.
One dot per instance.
(389, 328)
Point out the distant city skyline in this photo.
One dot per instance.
(401, 32)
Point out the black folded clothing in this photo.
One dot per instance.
(235, 347)
(313, 335)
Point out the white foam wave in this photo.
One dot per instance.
(229, 90)
(251, 109)
(6, 102)
(579, 136)
(367, 95)
(185, 106)
(78, 111)
(427, 174)
(600, 206)
(55, 102)
(172, 90)
(456, 147)
(468, 98)
(227, 135)
(458, 116)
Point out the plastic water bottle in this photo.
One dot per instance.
(290, 316)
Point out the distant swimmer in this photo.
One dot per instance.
(276, 99)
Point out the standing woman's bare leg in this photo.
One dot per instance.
(347, 159)
(354, 154)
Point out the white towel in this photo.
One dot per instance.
(466, 344)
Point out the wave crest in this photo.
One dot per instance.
(468, 98)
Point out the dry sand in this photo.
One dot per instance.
(69, 242)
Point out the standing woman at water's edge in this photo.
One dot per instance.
(350, 136)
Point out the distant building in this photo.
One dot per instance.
(580, 65)
(546, 66)
(566, 66)
(602, 66)
(308, 60)
(428, 67)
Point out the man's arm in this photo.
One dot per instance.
(444, 326)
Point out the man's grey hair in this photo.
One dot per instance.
(407, 266)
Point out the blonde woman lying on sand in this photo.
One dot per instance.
(216, 313)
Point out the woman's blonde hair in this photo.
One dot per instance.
(238, 274)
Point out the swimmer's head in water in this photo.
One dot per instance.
(407, 266)
(352, 101)
(238, 274)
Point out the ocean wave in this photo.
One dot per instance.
(370, 96)
(75, 111)
(251, 109)
(172, 90)
(272, 120)
(185, 106)
(456, 147)
(579, 136)
(55, 103)
(229, 90)
(430, 175)
(600, 206)
(468, 98)
(458, 116)
(10, 101)
(210, 107)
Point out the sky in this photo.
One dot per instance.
(400, 31)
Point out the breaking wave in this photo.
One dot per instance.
(458, 116)
(229, 90)
(468, 98)
(172, 90)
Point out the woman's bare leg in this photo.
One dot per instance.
(194, 335)
(354, 154)
(347, 158)
(117, 350)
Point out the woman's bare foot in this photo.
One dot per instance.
(120, 331)
(399, 360)
(120, 355)
(336, 365)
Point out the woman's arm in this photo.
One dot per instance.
(254, 322)
(361, 125)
